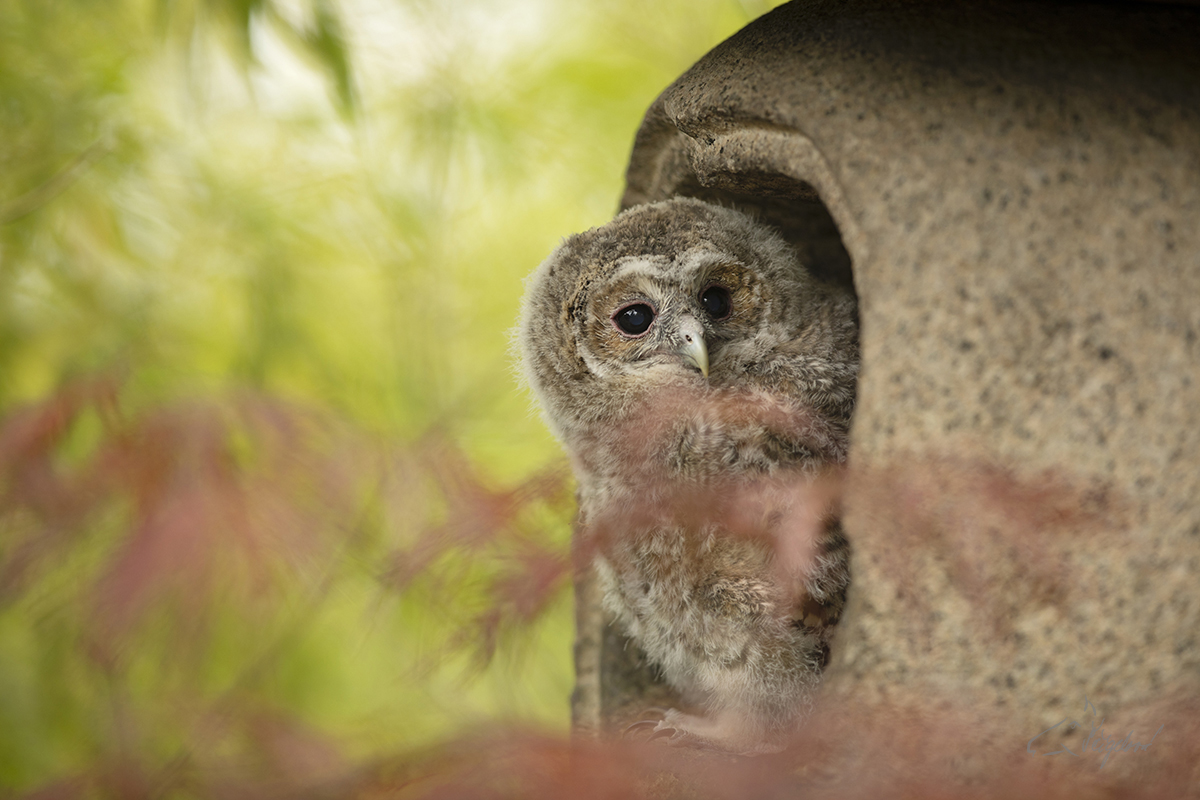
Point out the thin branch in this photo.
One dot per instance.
(34, 199)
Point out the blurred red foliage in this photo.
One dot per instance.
(247, 485)
(197, 498)
(159, 516)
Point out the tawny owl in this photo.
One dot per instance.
(699, 378)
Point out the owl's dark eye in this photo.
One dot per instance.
(634, 320)
(717, 302)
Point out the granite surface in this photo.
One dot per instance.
(1014, 191)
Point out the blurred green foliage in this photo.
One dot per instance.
(259, 261)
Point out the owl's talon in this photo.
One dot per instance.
(637, 727)
(650, 718)
(667, 733)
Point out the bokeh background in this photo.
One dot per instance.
(273, 505)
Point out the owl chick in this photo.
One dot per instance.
(700, 378)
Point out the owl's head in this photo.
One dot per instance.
(678, 293)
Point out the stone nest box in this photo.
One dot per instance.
(1013, 190)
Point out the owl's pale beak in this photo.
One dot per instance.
(693, 349)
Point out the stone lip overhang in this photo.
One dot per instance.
(1013, 189)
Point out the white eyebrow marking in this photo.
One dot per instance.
(688, 263)
(697, 260)
(651, 266)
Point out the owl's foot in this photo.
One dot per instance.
(723, 735)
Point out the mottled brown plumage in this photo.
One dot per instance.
(701, 381)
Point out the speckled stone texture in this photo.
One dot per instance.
(1014, 190)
